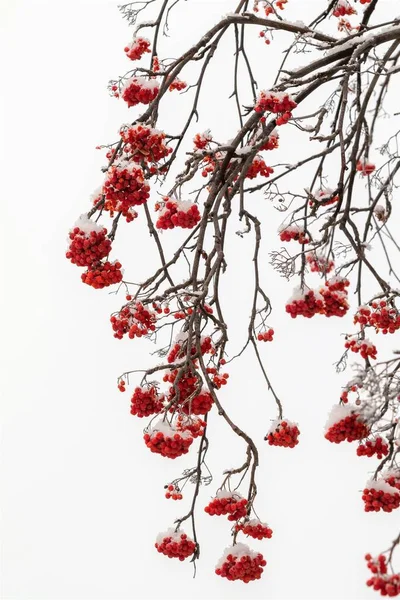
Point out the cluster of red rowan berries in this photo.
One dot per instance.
(138, 90)
(168, 442)
(283, 433)
(218, 379)
(380, 316)
(201, 404)
(227, 503)
(330, 300)
(193, 424)
(266, 336)
(178, 85)
(202, 140)
(319, 264)
(342, 8)
(323, 197)
(88, 246)
(178, 213)
(137, 48)
(186, 384)
(255, 529)
(365, 347)
(383, 582)
(345, 424)
(379, 495)
(135, 320)
(178, 350)
(100, 275)
(344, 396)
(121, 385)
(258, 167)
(144, 143)
(241, 563)
(392, 477)
(124, 188)
(173, 492)
(293, 232)
(146, 402)
(273, 141)
(175, 544)
(371, 447)
(365, 167)
(274, 102)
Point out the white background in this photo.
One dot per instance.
(82, 498)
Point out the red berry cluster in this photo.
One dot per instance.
(319, 264)
(272, 143)
(146, 402)
(266, 336)
(121, 386)
(283, 433)
(323, 197)
(365, 167)
(137, 48)
(372, 447)
(365, 347)
(258, 167)
(88, 247)
(393, 478)
(349, 427)
(344, 396)
(144, 143)
(239, 562)
(178, 350)
(201, 140)
(218, 379)
(175, 544)
(379, 495)
(194, 425)
(255, 529)
(124, 188)
(101, 275)
(178, 85)
(138, 90)
(199, 405)
(293, 232)
(186, 384)
(275, 102)
(136, 320)
(173, 492)
(343, 8)
(227, 503)
(178, 214)
(383, 582)
(305, 304)
(379, 315)
(168, 443)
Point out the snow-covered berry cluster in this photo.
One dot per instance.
(124, 188)
(283, 433)
(255, 529)
(89, 243)
(138, 90)
(372, 447)
(240, 562)
(178, 213)
(392, 477)
(365, 347)
(146, 401)
(100, 275)
(287, 233)
(379, 315)
(345, 424)
(178, 85)
(319, 263)
(274, 102)
(202, 140)
(388, 584)
(175, 544)
(305, 304)
(258, 167)
(379, 495)
(323, 197)
(266, 336)
(191, 423)
(330, 300)
(143, 143)
(272, 142)
(135, 320)
(342, 8)
(365, 167)
(227, 503)
(179, 349)
(137, 48)
(164, 439)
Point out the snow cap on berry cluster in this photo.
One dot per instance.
(150, 84)
(237, 550)
(166, 429)
(278, 422)
(87, 225)
(340, 412)
(174, 535)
